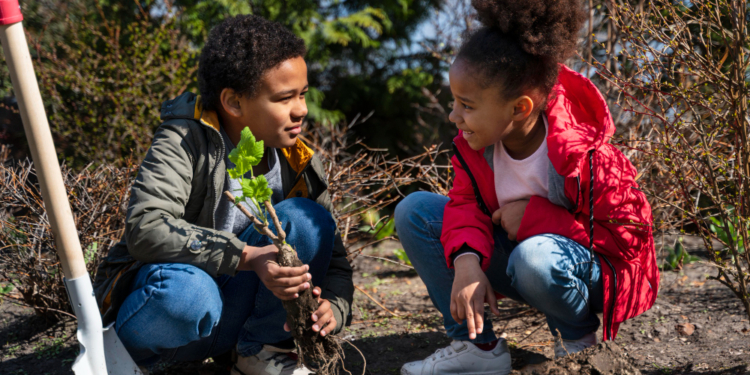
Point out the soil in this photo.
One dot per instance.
(697, 326)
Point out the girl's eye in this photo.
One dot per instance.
(466, 106)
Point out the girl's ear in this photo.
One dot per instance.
(230, 102)
(523, 108)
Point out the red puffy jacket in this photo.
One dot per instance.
(580, 127)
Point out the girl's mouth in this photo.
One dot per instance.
(467, 134)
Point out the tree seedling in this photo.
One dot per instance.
(321, 352)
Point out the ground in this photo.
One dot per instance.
(411, 329)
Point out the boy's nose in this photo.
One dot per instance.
(300, 110)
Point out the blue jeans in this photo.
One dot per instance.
(178, 312)
(548, 272)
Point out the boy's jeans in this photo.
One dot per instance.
(549, 272)
(178, 312)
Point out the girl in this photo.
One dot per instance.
(533, 166)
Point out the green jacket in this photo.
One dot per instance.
(173, 202)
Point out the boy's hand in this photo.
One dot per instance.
(323, 317)
(284, 282)
(470, 290)
(509, 217)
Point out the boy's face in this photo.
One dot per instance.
(276, 111)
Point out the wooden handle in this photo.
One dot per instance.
(42, 150)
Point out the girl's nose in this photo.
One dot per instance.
(453, 116)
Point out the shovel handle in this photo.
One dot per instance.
(39, 136)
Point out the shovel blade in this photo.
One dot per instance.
(101, 350)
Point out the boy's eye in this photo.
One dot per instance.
(466, 106)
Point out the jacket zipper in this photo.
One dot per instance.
(477, 193)
(614, 296)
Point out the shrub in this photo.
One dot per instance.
(103, 86)
(28, 261)
(682, 77)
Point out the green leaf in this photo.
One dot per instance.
(246, 155)
(257, 188)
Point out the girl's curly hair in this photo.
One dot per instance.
(521, 43)
(239, 51)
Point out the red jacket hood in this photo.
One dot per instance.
(579, 121)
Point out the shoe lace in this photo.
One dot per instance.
(447, 351)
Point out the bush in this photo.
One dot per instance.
(103, 86)
(682, 81)
(29, 269)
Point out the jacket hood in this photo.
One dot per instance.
(579, 121)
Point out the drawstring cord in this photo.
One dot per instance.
(591, 218)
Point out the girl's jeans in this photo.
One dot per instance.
(178, 312)
(548, 272)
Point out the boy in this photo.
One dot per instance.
(192, 279)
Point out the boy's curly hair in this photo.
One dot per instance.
(239, 51)
(521, 43)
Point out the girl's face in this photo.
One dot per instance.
(482, 113)
(276, 111)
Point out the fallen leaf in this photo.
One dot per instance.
(685, 329)
(684, 317)
(408, 282)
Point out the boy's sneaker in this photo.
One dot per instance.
(565, 347)
(463, 357)
(270, 361)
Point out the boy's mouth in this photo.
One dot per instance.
(295, 129)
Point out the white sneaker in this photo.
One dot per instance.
(270, 361)
(565, 347)
(463, 357)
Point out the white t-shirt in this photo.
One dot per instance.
(520, 179)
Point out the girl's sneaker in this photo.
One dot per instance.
(565, 347)
(463, 357)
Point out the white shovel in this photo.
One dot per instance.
(101, 350)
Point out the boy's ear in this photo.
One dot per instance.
(523, 108)
(230, 102)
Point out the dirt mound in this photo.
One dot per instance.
(603, 359)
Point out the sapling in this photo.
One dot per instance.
(313, 349)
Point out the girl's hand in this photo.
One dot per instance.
(284, 282)
(325, 323)
(509, 217)
(471, 290)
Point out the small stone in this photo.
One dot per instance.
(656, 339)
(685, 329)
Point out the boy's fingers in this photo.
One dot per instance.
(329, 327)
(322, 322)
(290, 271)
(292, 281)
(286, 327)
(316, 291)
(325, 307)
(454, 311)
(295, 289)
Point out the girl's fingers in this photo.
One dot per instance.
(470, 322)
(479, 315)
(284, 272)
(492, 301)
(454, 311)
(496, 217)
(322, 321)
(295, 290)
(286, 327)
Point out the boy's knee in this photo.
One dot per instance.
(303, 211)
(188, 296)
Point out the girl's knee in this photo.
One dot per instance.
(414, 210)
(533, 258)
